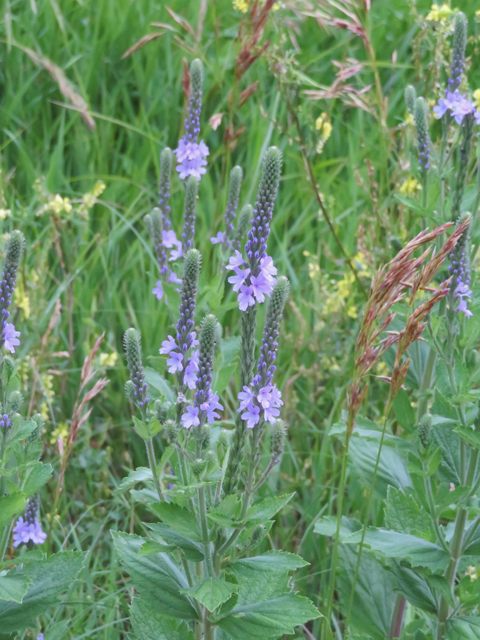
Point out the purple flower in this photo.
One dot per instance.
(268, 269)
(40, 637)
(175, 362)
(168, 345)
(158, 291)
(169, 238)
(246, 396)
(264, 396)
(210, 406)
(252, 415)
(11, 337)
(192, 158)
(174, 278)
(26, 530)
(476, 115)
(271, 414)
(245, 297)
(235, 261)
(458, 104)
(175, 254)
(239, 278)
(190, 419)
(219, 238)
(463, 307)
(260, 286)
(190, 375)
(5, 421)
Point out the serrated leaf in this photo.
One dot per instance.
(272, 561)
(49, 578)
(150, 547)
(192, 550)
(157, 578)
(21, 430)
(140, 474)
(148, 623)
(403, 513)
(266, 509)
(392, 544)
(268, 619)
(39, 474)
(178, 518)
(212, 592)
(146, 430)
(11, 506)
(467, 628)
(373, 597)
(13, 586)
(225, 513)
(470, 436)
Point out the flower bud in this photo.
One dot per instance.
(166, 160)
(198, 467)
(171, 431)
(243, 219)
(460, 26)
(236, 176)
(133, 351)
(15, 399)
(422, 135)
(410, 97)
(424, 429)
(278, 437)
(161, 410)
(189, 209)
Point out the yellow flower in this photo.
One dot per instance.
(363, 268)
(476, 97)
(352, 311)
(240, 5)
(44, 411)
(439, 13)
(47, 380)
(409, 118)
(5, 213)
(410, 186)
(56, 204)
(90, 198)
(61, 431)
(472, 572)
(108, 359)
(22, 301)
(324, 127)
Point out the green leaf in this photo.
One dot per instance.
(178, 518)
(470, 436)
(327, 526)
(225, 514)
(141, 474)
(148, 623)
(39, 474)
(49, 578)
(392, 544)
(11, 506)
(272, 561)
(266, 509)
(146, 430)
(403, 410)
(373, 597)
(403, 513)
(21, 430)
(157, 578)
(212, 592)
(14, 586)
(467, 628)
(193, 550)
(149, 548)
(414, 588)
(268, 619)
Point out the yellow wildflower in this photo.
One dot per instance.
(240, 5)
(57, 205)
(44, 411)
(410, 186)
(476, 97)
(108, 359)
(352, 311)
(313, 270)
(409, 118)
(61, 431)
(438, 14)
(90, 198)
(47, 380)
(363, 268)
(324, 126)
(22, 300)
(5, 213)
(472, 572)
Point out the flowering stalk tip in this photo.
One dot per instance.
(133, 351)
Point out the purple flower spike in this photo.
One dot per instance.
(29, 529)
(11, 337)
